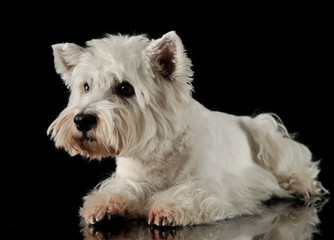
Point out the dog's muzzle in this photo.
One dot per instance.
(85, 122)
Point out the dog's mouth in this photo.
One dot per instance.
(85, 137)
(90, 146)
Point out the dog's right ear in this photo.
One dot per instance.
(66, 57)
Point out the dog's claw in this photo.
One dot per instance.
(92, 220)
(162, 217)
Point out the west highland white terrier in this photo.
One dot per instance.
(178, 163)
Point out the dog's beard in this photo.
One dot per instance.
(120, 131)
(94, 144)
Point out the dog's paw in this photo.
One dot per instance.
(98, 206)
(163, 217)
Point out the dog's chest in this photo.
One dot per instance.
(161, 170)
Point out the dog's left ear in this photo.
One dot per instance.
(168, 58)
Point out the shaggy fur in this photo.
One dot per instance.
(177, 162)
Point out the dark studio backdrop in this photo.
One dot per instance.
(247, 59)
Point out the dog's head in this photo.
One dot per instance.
(128, 94)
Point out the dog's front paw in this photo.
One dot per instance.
(164, 217)
(98, 206)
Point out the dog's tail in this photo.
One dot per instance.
(289, 161)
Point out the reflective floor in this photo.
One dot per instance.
(278, 220)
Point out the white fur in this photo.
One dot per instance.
(177, 162)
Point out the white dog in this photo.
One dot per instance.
(178, 163)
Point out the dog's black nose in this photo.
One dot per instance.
(85, 122)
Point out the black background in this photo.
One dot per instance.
(247, 59)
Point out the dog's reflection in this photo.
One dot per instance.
(277, 220)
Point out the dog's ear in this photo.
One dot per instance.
(66, 57)
(168, 57)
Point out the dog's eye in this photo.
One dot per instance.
(125, 89)
(86, 87)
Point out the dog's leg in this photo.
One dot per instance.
(198, 202)
(115, 196)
